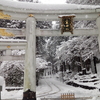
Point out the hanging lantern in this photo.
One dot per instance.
(66, 23)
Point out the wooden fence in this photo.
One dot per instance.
(68, 96)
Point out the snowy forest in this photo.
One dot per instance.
(69, 57)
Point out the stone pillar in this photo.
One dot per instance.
(98, 25)
(30, 60)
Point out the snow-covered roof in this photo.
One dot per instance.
(72, 15)
(39, 6)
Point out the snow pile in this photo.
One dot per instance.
(90, 81)
(12, 94)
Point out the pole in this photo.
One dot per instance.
(0, 91)
(30, 60)
(0, 95)
(98, 25)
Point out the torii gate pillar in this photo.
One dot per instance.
(98, 25)
(30, 61)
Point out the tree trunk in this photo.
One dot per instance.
(92, 66)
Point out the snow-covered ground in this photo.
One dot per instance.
(50, 87)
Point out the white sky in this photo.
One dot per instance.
(53, 1)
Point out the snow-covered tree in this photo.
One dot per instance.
(77, 50)
(12, 72)
(41, 63)
(12, 23)
(89, 2)
(40, 46)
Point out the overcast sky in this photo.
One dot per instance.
(53, 1)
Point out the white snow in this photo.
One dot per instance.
(18, 52)
(66, 15)
(87, 78)
(50, 85)
(12, 40)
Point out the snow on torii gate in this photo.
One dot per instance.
(32, 12)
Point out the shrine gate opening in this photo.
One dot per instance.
(42, 12)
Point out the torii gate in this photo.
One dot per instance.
(37, 12)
